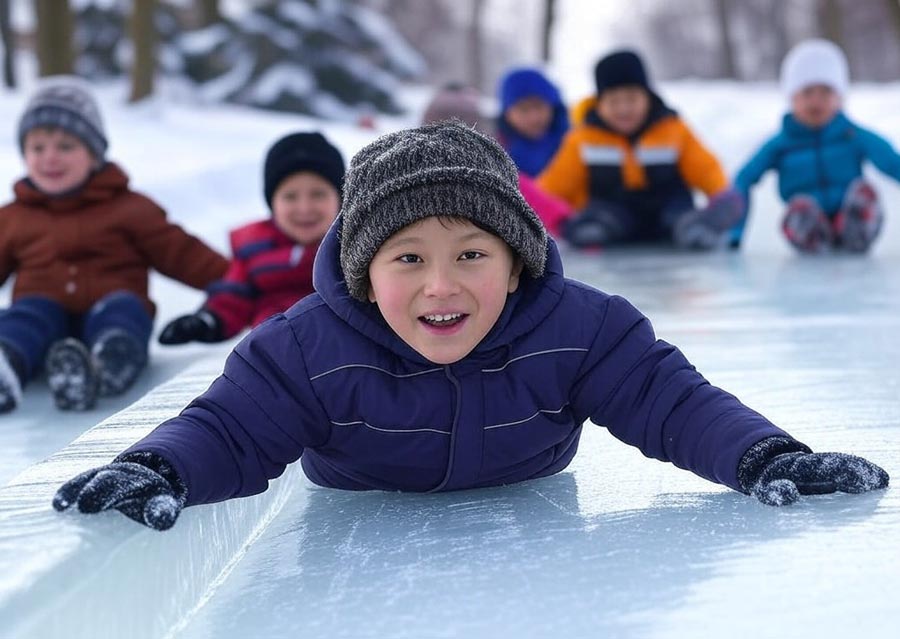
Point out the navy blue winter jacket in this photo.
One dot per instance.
(329, 383)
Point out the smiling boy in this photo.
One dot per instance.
(445, 350)
(630, 167)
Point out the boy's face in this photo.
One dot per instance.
(815, 106)
(56, 161)
(624, 109)
(304, 205)
(530, 116)
(441, 284)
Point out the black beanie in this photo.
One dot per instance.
(302, 152)
(618, 69)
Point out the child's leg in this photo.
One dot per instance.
(601, 223)
(859, 221)
(27, 328)
(805, 225)
(117, 330)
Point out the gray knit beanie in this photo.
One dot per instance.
(65, 102)
(442, 169)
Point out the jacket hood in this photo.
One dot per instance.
(525, 309)
(831, 131)
(102, 185)
(658, 110)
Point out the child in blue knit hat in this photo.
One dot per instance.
(819, 155)
(533, 119)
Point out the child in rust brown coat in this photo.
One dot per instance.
(81, 244)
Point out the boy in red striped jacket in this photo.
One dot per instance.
(272, 261)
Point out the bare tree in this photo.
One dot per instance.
(723, 22)
(143, 40)
(547, 29)
(893, 7)
(209, 12)
(9, 46)
(474, 41)
(830, 20)
(54, 37)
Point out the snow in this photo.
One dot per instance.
(618, 545)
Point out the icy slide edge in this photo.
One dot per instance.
(105, 576)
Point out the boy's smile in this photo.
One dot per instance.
(57, 162)
(816, 105)
(624, 109)
(441, 284)
(304, 205)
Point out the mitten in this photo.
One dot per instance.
(710, 227)
(142, 486)
(777, 470)
(202, 326)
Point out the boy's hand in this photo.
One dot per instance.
(782, 478)
(134, 489)
(202, 326)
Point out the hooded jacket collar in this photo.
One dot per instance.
(104, 184)
(835, 129)
(525, 309)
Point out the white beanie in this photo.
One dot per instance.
(812, 62)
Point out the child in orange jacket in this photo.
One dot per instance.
(631, 166)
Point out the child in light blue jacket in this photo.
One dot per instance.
(819, 155)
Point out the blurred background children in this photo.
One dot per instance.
(272, 259)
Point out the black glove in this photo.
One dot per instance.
(778, 470)
(202, 326)
(142, 486)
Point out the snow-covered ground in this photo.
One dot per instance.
(620, 546)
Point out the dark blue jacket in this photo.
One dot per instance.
(820, 162)
(328, 382)
(531, 156)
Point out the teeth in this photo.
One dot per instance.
(443, 318)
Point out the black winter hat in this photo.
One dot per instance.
(440, 169)
(618, 69)
(302, 152)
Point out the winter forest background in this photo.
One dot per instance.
(344, 59)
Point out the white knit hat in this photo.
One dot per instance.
(812, 62)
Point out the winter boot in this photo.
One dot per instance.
(806, 227)
(119, 358)
(71, 375)
(708, 228)
(859, 221)
(11, 375)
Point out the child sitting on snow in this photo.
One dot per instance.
(272, 261)
(81, 244)
(533, 119)
(818, 155)
(631, 165)
(444, 350)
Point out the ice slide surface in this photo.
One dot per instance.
(618, 545)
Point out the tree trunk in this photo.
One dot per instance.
(723, 23)
(54, 37)
(143, 40)
(830, 21)
(9, 46)
(547, 29)
(474, 45)
(209, 12)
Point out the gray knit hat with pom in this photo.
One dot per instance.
(65, 102)
(443, 169)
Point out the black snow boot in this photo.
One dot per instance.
(12, 372)
(119, 358)
(71, 375)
